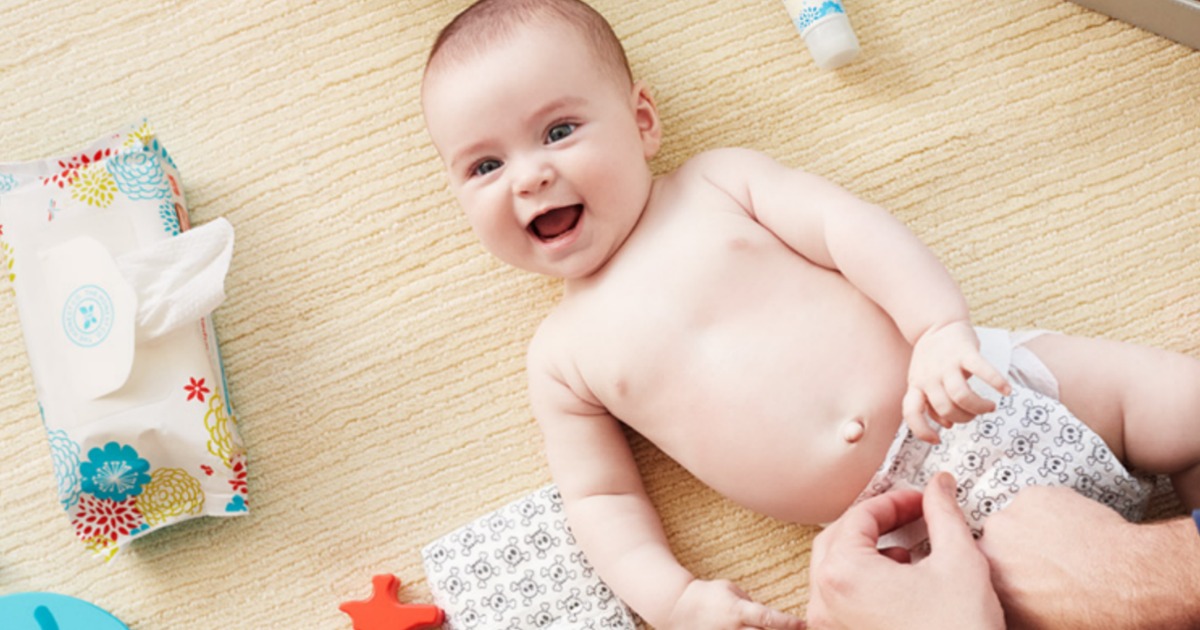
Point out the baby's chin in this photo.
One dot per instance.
(575, 269)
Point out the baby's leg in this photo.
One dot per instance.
(1144, 402)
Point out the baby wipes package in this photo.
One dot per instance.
(114, 289)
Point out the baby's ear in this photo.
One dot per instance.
(646, 115)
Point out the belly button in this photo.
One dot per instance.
(853, 430)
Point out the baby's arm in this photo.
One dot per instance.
(613, 519)
(609, 512)
(874, 251)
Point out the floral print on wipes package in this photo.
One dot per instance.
(159, 445)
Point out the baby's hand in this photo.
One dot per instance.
(718, 605)
(942, 361)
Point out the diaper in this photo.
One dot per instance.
(1030, 439)
(113, 293)
(520, 567)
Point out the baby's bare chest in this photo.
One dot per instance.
(719, 318)
(744, 362)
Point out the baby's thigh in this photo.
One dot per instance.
(1142, 401)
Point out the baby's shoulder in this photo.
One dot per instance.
(549, 340)
(552, 362)
(724, 162)
(730, 169)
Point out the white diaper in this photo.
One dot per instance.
(520, 567)
(1030, 439)
(1007, 352)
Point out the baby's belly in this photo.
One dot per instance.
(772, 470)
(753, 381)
(783, 433)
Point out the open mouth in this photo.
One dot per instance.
(555, 223)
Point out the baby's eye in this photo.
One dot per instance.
(560, 131)
(485, 167)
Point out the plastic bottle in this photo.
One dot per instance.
(826, 29)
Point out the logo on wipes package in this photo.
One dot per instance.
(87, 316)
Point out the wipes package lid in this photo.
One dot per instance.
(114, 295)
(95, 335)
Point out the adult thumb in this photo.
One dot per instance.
(944, 519)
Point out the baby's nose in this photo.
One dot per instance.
(533, 178)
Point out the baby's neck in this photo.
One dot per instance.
(584, 283)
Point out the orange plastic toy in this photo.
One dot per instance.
(383, 611)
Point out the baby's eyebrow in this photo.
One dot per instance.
(554, 105)
(466, 154)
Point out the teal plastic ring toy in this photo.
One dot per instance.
(51, 611)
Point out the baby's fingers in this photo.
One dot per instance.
(978, 366)
(755, 615)
(941, 408)
(965, 398)
(913, 408)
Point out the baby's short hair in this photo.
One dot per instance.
(489, 21)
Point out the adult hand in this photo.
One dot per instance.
(721, 605)
(1060, 560)
(854, 585)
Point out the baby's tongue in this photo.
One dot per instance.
(556, 222)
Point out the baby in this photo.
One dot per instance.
(794, 347)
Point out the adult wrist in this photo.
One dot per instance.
(1168, 587)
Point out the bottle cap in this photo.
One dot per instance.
(831, 41)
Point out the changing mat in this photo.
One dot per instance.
(126, 365)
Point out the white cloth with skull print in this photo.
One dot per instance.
(1030, 439)
(519, 567)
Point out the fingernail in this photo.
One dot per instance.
(946, 483)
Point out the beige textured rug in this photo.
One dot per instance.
(1048, 154)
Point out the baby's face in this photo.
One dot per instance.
(546, 152)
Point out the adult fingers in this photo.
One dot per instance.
(944, 519)
(818, 617)
(897, 554)
(862, 525)
(847, 551)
